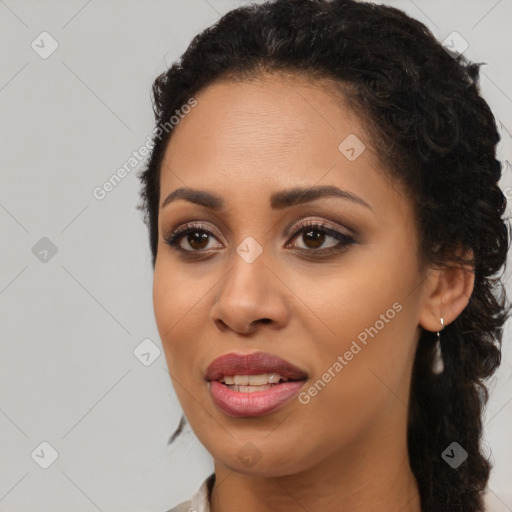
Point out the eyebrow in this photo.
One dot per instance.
(278, 200)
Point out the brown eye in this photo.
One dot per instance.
(196, 236)
(313, 238)
(198, 239)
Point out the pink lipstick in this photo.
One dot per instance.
(253, 384)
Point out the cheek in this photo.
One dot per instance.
(365, 344)
(356, 383)
(177, 303)
(342, 301)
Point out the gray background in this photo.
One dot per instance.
(70, 323)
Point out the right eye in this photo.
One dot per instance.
(197, 241)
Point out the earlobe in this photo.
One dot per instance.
(447, 296)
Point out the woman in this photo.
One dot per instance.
(326, 228)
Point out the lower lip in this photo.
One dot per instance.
(237, 403)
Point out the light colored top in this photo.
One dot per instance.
(200, 501)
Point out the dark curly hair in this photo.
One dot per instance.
(437, 136)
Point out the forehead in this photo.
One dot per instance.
(274, 113)
(272, 133)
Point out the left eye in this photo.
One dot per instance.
(314, 236)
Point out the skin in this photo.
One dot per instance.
(345, 449)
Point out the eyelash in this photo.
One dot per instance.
(175, 237)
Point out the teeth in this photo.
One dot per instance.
(258, 380)
(241, 380)
(253, 380)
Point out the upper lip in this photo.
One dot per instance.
(252, 364)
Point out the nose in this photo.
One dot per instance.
(250, 295)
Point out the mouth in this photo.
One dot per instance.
(254, 369)
(253, 384)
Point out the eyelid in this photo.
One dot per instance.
(199, 225)
(175, 237)
(291, 229)
(201, 218)
(336, 226)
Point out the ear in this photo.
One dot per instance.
(447, 293)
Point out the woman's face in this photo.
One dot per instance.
(346, 313)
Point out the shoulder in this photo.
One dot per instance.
(185, 506)
(200, 501)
